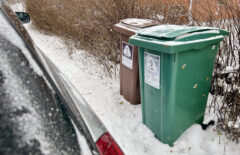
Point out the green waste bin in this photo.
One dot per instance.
(175, 64)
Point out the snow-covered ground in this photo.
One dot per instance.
(123, 120)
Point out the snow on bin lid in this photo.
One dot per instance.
(174, 38)
(175, 32)
(139, 23)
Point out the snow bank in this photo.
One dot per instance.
(123, 120)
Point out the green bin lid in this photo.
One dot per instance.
(174, 38)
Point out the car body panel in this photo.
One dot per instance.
(82, 115)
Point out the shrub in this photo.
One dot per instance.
(88, 24)
(226, 76)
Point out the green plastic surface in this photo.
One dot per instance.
(184, 81)
(170, 32)
(174, 39)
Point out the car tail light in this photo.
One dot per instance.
(107, 146)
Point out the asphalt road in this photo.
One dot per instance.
(31, 121)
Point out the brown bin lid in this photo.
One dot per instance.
(138, 23)
(131, 25)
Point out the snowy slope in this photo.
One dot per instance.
(122, 119)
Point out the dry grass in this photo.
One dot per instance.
(88, 24)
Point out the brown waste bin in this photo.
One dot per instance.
(129, 73)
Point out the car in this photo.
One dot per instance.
(98, 138)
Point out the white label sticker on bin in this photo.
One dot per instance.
(127, 54)
(152, 69)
